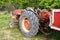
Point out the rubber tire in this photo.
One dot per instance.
(33, 21)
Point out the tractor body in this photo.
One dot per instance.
(31, 21)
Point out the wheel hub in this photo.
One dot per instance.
(26, 24)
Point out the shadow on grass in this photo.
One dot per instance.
(55, 35)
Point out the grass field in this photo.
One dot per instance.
(7, 33)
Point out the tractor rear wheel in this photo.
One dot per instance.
(29, 24)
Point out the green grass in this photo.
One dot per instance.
(7, 33)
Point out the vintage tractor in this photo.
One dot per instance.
(32, 20)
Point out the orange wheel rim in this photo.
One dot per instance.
(26, 24)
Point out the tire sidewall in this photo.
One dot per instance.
(33, 26)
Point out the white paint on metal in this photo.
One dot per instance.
(52, 19)
(56, 28)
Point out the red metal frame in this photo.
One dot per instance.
(55, 19)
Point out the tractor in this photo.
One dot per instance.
(32, 20)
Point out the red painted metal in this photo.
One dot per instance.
(57, 19)
(17, 12)
(45, 14)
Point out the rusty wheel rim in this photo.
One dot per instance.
(26, 24)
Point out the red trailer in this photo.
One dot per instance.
(55, 19)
